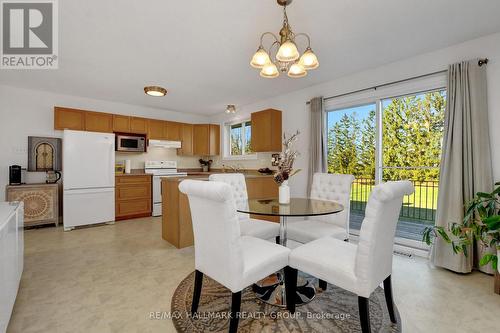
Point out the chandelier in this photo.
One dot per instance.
(287, 58)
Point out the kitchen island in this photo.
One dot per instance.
(177, 228)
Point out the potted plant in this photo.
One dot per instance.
(481, 222)
(285, 168)
(205, 164)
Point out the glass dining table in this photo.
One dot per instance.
(272, 289)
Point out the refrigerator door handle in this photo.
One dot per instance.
(89, 190)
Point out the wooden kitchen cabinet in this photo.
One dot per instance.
(266, 131)
(98, 122)
(206, 139)
(138, 125)
(173, 130)
(121, 123)
(214, 142)
(262, 188)
(156, 129)
(187, 140)
(132, 196)
(66, 118)
(177, 226)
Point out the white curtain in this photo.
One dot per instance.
(466, 158)
(317, 146)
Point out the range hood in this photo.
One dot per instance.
(165, 144)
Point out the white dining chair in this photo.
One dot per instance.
(331, 187)
(221, 252)
(248, 226)
(360, 268)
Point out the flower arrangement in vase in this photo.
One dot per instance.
(285, 167)
(205, 164)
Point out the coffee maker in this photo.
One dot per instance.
(15, 175)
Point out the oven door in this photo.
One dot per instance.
(157, 196)
(156, 189)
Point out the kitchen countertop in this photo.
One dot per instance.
(134, 172)
(205, 175)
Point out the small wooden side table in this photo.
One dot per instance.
(41, 202)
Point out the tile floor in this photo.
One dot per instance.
(109, 278)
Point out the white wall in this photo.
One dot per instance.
(295, 112)
(26, 113)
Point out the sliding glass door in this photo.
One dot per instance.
(391, 139)
(352, 150)
(412, 135)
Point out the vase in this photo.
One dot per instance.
(284, 193)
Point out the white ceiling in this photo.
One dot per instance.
(200, 50)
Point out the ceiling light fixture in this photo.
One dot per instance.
(155, 91)
(231, 109)
(287, 58)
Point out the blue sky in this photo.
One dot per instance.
(361, 113)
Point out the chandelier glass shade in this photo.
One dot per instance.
(287, 58)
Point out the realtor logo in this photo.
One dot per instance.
(29, 34)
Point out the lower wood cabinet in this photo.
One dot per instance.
(177, 227)
(262, 188)
(132, 196)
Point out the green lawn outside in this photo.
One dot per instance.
(421, 205)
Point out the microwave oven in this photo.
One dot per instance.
(130, 143)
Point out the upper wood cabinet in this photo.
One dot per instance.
(187, 140)
(156, 129)
(200, 139)
(121, 123)
(127, 124)
(98, 122)
(214, 142)
(138, 125)
(206, 139)
(66, 118)
(266, 131)
(173, 131)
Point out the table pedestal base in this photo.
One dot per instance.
(271, 290)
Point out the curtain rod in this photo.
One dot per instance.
(480, 63)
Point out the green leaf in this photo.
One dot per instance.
(486, 259)
(465, 250)
(443, 234)
(492, 222)
(484, 195)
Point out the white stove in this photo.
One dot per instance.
(160, 169)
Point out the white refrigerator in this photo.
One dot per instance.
(88, 178)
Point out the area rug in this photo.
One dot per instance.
(333, 310)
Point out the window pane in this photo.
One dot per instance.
(236, 139)
(412, 136)
(411, 146)
(248, 137)
(351, 141)
(351, 150)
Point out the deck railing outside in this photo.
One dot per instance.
(421, 205)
